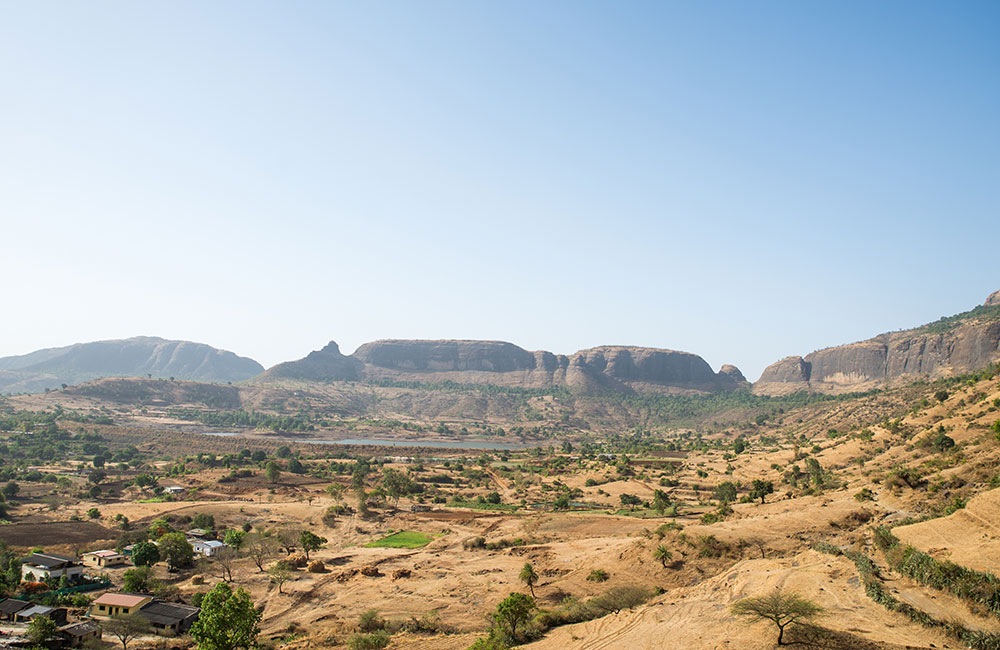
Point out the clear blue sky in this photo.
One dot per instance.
(742, 180)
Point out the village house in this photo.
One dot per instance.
(102, 559)
(56, 614)
(173, 618)
(112, 604)
(41, 567)
(208, 547)
(10, 607)
(78, 634)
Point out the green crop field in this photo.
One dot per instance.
(402, 539)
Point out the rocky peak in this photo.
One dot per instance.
(993, 300)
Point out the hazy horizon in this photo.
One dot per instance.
(740, 182)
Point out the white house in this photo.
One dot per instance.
(38, 567)
(208, 548)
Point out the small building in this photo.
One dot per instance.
(208, 548)
(173, 489)
(113, 604)
(102, 559)
(197, 532)
(40, 567)
(77, 634)
(11, 606)
(169, 617)
(56, 614)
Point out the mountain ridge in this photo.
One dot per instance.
(49, 368)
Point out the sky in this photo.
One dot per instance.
(745, 181)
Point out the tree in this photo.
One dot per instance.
(177, 551)
(228, 620)
(93, 513)
(145, 554)
(279, 574)
(781, 608)
(126, 627)
(514, 610)
(660, 501)
(630, 500)
(289, 538)
(272, 472)
(204, 521)
(97, 475)
(225, 557)
(138, 580)
(761, 489)
(310, 542)
(11, 489)
(941, 395)
(397, 484)
(260, 548)
(529, 577)
(234, 538)
(663, 554)
(41, 629)
(619, 598)
(725, 492)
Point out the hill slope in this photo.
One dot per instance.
(134, 357)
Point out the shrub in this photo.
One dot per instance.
(373, 641)
(598, 575)
(370, 621)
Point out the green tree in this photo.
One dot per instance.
(177, 551)
(204, 521)
(663, 554)
(514, 610)
(138, 580)
(529, 577)
(41, 629)
(310, 542)
(272, 472)
(279, 574)
(234, 538)
(145, 554)
(10, 490)
(761, 489)
(93, 513)
(126, 627)
(228, 620)
(726, 492)
(781, 608)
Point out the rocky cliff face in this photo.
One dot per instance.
(135, 357)
(950, 346)
(616, 368)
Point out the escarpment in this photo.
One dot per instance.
(604, 368)
(950, 346)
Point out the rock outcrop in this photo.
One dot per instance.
(614, 368)
(134, 357)
(954, 345)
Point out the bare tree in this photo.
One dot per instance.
(225, 557)
(126, 627)
(260, 549)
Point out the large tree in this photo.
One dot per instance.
(177, 550)
(781, 608)
(41, 629)
(761, 489)
(228, 620)
(145, 554)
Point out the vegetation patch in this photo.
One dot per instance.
(402, 539)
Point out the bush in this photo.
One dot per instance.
(598, 575)
(372, 641)
(619, 598)
(370, 621)
(474, 543)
